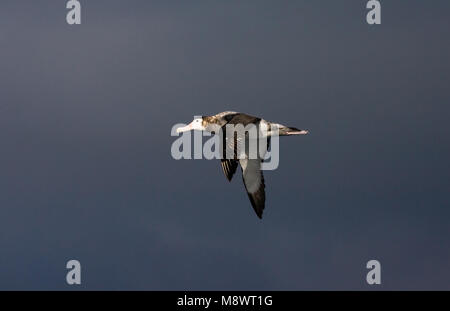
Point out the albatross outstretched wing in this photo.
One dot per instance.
(254, 183)
(233, 152)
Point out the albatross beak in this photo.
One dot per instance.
(184, 128)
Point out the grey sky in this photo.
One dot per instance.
(85, 165)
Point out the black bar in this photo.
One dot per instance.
(224, 300)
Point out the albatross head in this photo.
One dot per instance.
(197, 124)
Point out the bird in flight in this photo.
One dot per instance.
(237, 144)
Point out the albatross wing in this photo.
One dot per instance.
(254, 184)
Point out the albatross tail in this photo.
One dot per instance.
(287, 131)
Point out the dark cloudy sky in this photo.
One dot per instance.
(85, 165)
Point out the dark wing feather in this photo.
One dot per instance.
(229, 168)
(254, 184)
(244, 119)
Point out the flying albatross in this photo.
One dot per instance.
(250, 166)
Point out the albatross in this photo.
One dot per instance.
(250, 166)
